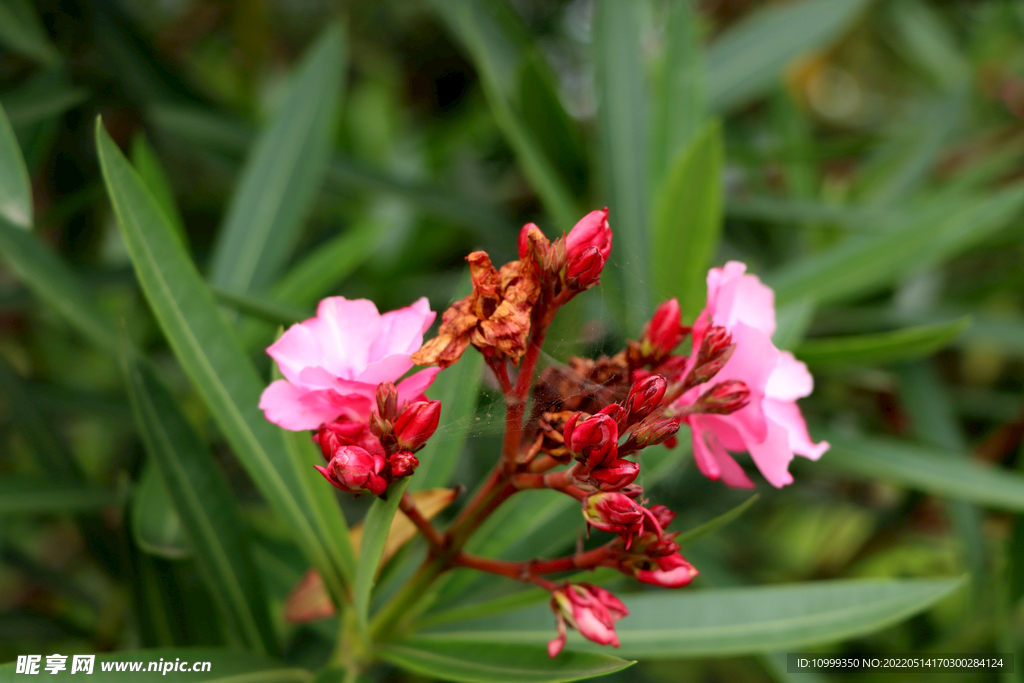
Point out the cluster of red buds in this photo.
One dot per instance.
(368, 457)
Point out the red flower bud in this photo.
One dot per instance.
(670, 571)
(614, 476)
(618, 514)
(723, 398)
(584, 269)
(664, 516)
(403, 464)
(644, 397)
(343, 432)
(653, 431)
(594, 439)
(590, 610)
(615, 412)
(715, 350)
(416, 424)
(353, 469)
(387, 401)
(664, 331)
(591, 231)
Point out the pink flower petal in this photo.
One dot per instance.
(773, 455)
(413, 386)
(790, 379)
(787, 414)
(386, 369)
(296, 349)
(401, 331)
(734, 297)
(299, 409)
(347, 330)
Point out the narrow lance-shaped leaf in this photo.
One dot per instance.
(468, 662)
(156, 524)
(622, 119)
(910, 342)
(15, 188)
(688, 221)
(283, 175)
(205, 505)
(23, 33)
(680, 96)
(729, 621)
(36, 495)
(210, 353)
(375, 536)
(148, 165)
(930, 234)
(927, 469)
(693, 535)
(748, 59)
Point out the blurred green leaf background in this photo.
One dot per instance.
(864, 158)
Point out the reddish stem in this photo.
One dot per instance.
(521, 571)
(429, 531)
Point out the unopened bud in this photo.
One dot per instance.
(664, 331)
(594, 439)
(387, 401)
(615, 412)
(354, 469)
(403, 464)
(618, 514)
(723, 398)
(663, 515)
(591, 231)
(651, 432)
(715, 351)
(416, 424)
(644, 397)
(615, 476)
(380, 427)
(584, 269)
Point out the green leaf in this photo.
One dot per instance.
(323, 269)
(925, 468)
(496, 662)
(792, 321)
(733, 621)
(264, 309)
(865, 263)
(37, 495)
(53, 281)
(15, 188)
(910, 342)
(147, 163)
(493, 35)
(210, 353)
(680, 96)
(156, 525)
(205, 505)
(693, 535)
(688, 221)
(43, 98)
(622, 131)
(747, 60)
(23, 33)
(224, 666)
(375, 536)
(283, 174)
(57, 460)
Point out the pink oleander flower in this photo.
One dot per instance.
(334, 362)
(590, 610)
(770, 426)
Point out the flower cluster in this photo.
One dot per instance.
(589, 420)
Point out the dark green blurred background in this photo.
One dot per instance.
(851, 129)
